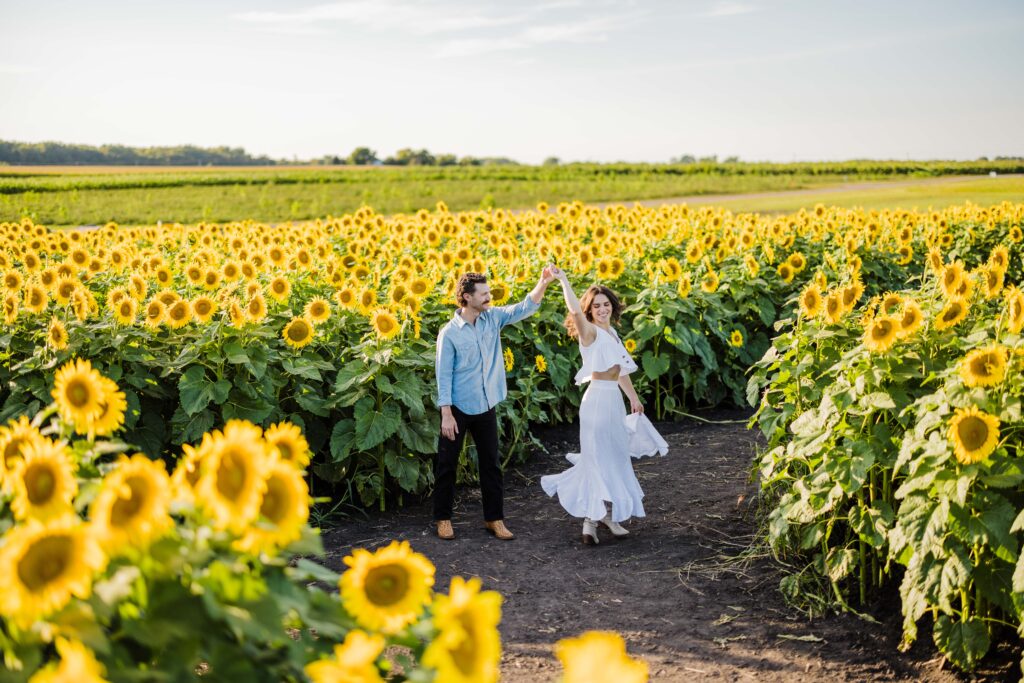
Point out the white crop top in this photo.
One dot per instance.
(604, 353)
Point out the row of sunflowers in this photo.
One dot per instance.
(894, 433)
(329, 325)
(119, 571)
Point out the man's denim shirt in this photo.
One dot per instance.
(469, 366)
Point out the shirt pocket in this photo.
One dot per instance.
(465, 351)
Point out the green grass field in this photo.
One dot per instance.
(68, 196)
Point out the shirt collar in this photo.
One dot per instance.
(460, 322)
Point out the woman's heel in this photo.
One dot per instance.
(618, 531)
(589, 532)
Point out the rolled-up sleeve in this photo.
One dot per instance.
(444, 368)
(508, 315)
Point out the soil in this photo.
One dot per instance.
(690, 590)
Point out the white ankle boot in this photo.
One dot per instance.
(589, 532)
(618, 531)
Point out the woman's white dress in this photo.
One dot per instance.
(602, 471)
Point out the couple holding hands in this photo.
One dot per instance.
(471, 381)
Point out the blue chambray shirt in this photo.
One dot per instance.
(469, 366)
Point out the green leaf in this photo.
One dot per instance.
(235, 352)
(343, 439)
(373, 427)
(194, 389)
(964, 642)
(655, 366)
(419, 436)
(301, 367)
(839, 562)
(351, 374)
(404, 468)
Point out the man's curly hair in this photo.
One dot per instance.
(467, 285)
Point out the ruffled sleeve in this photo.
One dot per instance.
(605, 353)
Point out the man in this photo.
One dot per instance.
(470, 383)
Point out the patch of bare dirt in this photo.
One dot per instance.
(685, 589)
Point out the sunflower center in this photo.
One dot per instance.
(973, 432)
(13, 450)
(232, 475)
(881, 330)
(285, 449)
(951, 313)
(464, 655)
(78, 393)
(298, 332)
(387, 584)
(130, 503)
(40, 484)
(275, 501)
(45, 561)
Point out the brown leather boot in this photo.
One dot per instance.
(497, 527)
(445, 530)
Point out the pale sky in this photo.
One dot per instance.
(641, 80)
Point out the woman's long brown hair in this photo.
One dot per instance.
(587, 302)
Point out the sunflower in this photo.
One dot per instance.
(951, 277)
(630, 345)
(684, 286)
(45, 565)
(753, 267)
(126, 310)
(386, 590)
(236, 314)
(992, 278)
(280, 289)
(318, 310)
(910, 320)
(36, 298)
(13, 280)
(57, 335)
(284, 510)
(179, 314)
(954, 311)
(984, 367)
(974, 434)
(797, 261)
(367, 300)
(541, 363)
(291, 445)
(353, 660)
(1014, 310)
(834, 308)
(851, 294)
(906, 254)
(810, 301)
(880, 333)
(77, 663)
(256, 309)
(233, 475)
(346, 297)
(131, 508)
(10, 308)
(599, 657)
(155, 313)
(890, 302)
(467, 648)
(43, 481)
(14, 437)
(384, 323)
(186, 474)
(78, 390)
(736, 339)
(203, 308)
(709, 283)
(298, 332)
(999, 258)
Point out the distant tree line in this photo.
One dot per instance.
(364, 156)
(63, 154)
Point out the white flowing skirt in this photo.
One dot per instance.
(602, 471)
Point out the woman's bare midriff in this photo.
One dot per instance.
(610, 374)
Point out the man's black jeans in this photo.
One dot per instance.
(484, 428)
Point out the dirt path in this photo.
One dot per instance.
(674, 589)
(817, 190)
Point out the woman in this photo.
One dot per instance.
(602, 471)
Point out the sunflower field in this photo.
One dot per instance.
(117, 570)
(881, 348)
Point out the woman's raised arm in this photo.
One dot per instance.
(584, 328)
